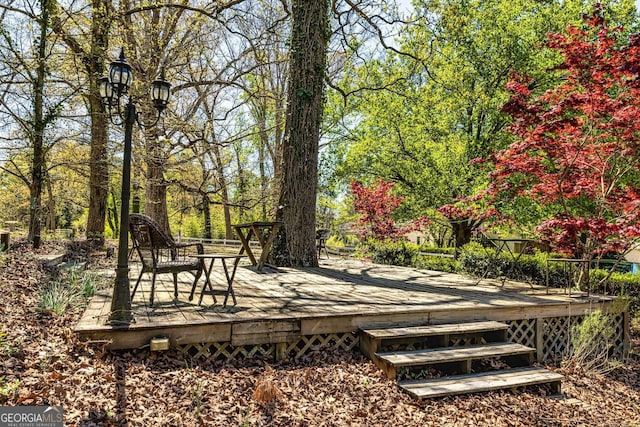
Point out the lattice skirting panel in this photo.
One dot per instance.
(555, 339)
(522, 332)
(550, 335)
(225, 351)
(306, 344)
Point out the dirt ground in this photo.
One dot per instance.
(43, 363)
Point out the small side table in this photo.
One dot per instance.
(207, 275)
(265, 232)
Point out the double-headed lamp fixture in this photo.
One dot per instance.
(118, 83)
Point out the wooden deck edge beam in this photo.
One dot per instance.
(352, 323)
(121, 339)
(294, 327)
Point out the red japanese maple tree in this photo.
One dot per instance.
(376, 205)
(578, 147)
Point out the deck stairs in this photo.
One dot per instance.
(474, 357)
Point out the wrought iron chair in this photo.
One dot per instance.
(160, 254)
(322, 236)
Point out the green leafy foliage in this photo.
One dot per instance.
(448, 265)
(392, 252)
(625, 284)
(437, 250)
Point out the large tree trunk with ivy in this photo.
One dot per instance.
(39, 125)
(98, 170)
(99, 164)
(295, 244)
(93, 59)
(51, 206)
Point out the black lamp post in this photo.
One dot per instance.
(112, 90)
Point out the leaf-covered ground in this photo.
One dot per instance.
(42, 363)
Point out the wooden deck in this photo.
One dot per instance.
(282, 305)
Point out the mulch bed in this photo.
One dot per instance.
(43, 363)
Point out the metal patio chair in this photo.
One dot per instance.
(322, 236)
(160, 254)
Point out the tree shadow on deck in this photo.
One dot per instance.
(377, 279)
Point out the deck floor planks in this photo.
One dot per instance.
(338, 289)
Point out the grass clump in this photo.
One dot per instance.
(73, 287)
(57, 296)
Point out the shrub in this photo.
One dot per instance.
(80, 224)
(485, 262)
(482, 262)
(335, 241)
(591, 342)
(426, 262)
(392, 253)
(626, 284)
(437, 250)
(193, 226)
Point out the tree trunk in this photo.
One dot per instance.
(222, 185)
(264, 141)
(51, 203)
(295, 244)
(98, 170)
(93, 60)
(156, 188)
(277, 154)
(462, 231)
(242, 183)
(206, 215)
(99, 159)
(39, 124)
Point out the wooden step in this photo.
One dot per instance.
(464, 354)
(431, 330)
(51, 260)
(373, 341)
(480, 382)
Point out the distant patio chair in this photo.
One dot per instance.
(160, 254)
(321, 241)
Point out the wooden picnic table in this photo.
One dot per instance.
(264, 232)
